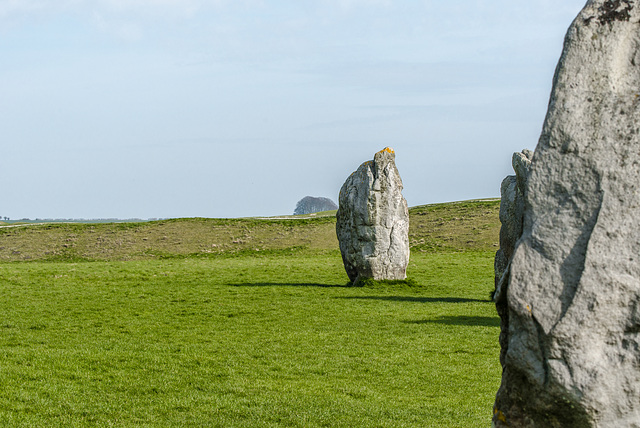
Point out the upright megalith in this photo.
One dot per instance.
(373, 221)
(511, 211)
(572, 356)
(511, 218)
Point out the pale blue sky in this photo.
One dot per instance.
(231, 108)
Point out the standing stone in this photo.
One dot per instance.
(572, 357)
(373, 221)
(511, 211)
(511, 217)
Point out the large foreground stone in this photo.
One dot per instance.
(373, 221)
(572, 355)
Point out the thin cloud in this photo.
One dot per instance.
(348, 5)
(10, 8)
(124, 30)
(140, 8)
(181, 8)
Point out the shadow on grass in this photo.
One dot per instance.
(461, 320)
(417, 299)
(287, 284)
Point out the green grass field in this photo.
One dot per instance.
(202, 331)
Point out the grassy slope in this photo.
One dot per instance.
(262, 338)
(460, 226)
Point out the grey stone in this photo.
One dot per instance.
(373, 221)
(572, 356)
(511, 211)
(511, 218)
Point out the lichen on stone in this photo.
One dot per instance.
(372, 222)
(615, 10)
(387, 149)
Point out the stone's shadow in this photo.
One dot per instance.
(417, 299)
(287, 284)
(461, 320)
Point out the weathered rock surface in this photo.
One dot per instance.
(310, 205)
(572, 357)
(511, 211)
(373, 221)
(511, 217)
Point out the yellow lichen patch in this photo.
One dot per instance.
(364, 165)
(387, 149)
(501, 416)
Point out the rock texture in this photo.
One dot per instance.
(512, 218)
(511, 211)
(310, 204)
(572, 356)
(373, 221)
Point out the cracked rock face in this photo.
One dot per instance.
(373, 221)
(511, 218)
(572, 355)
(511, 211)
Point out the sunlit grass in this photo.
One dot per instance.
(251, 340)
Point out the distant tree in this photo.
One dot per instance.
(310, 204)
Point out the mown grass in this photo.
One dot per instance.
(246, 338)
(246, 341)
